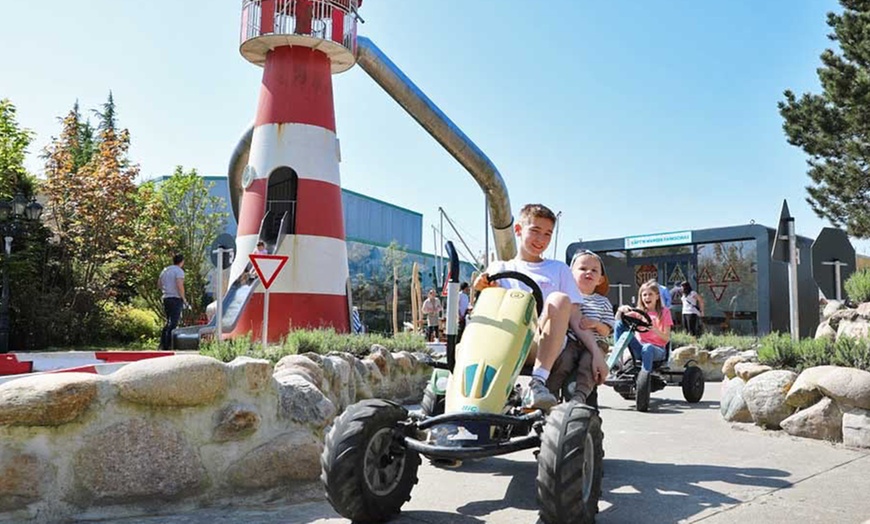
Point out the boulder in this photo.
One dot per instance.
(863, 310)
(730, 362)
(832, 307)
(137, 459)
(23, 479)
(765, 397)
(51, 399)
(180, 380)
(805, 390)
(748, 370)
(858, 328)
(856, 428)
(337, 381)
(250, 374)
(826, 331)
(300, 365)
(288, 457)
(733, 406)
(302, 402)
(821, 421)
(850, 387)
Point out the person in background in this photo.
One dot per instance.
(171, 285)
(666, 296)
(432, 309)
(261, 248)
(693, 310)
(464, 301)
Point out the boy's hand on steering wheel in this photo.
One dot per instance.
(482, 282)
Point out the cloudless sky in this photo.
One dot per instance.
(628, 117)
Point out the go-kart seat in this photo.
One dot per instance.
(656, 363)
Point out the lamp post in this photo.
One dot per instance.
(11, 213)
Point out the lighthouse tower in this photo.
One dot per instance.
(291, 189)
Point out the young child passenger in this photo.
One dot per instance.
(588, 271)
(649, 346)
(561, 299)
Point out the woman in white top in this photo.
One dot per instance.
(693, 310)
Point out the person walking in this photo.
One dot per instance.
(693, 310)
(432, 309)
(464, 303)
(171, 284)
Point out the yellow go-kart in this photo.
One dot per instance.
(372, 451)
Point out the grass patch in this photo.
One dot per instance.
(320, 341)
(710, 342)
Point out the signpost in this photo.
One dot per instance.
(833, 261)
(785, 250)
(267, 268)
(620, 288)
(222, 250)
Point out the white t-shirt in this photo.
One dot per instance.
(550, 275)
(691, 305)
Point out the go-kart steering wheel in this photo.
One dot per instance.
(525, 279)
(640, 324)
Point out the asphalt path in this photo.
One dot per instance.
(679, 462)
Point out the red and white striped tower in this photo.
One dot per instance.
(292, 169)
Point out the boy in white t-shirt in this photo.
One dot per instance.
(561, 299)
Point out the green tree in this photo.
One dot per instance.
(179, 215)
(833, 127)
(14, 142)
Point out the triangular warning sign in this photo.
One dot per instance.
(677, 275)
(268, 267)
(730, 275)
(705, 277)
(718, 290)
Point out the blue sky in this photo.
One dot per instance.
(628, 117)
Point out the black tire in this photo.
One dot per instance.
(643, 389)
(368, 475)
(432, 403)
(693, 384)
(570, 465)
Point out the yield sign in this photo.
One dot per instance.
(268, 267)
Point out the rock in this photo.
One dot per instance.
(858, 328)
(765, 397)
(300, 401)
(339, 386)
(250, 374)
(733, 406)
(382, 358)
(730, 362)
(288, 457)
(138, 459)
(180, 380)
(404, 362)
(850, 387)
(863, 310)
(51, 399)
(856, 428)
(821, 421)
(748, 370)
(300, 365)
(235, 422)
(805, 390)
(23, 478)
(832, 307)
(826, 331)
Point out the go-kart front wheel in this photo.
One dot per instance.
(367, 471)
(693, 384)
(570, 465)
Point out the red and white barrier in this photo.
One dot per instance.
(13, 365)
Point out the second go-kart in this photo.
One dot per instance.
(373, 450)
(632, 382)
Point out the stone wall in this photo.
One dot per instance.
(181, 431)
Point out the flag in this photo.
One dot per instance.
(357, 324)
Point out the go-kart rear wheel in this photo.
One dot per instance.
(367, 472)
(570, 465)
(693, 384)
(643, 389)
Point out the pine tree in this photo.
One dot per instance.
(833, 127)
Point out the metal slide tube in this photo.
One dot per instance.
(387, 75)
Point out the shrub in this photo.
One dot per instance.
(127, 324)
(710, 341)
(778, 351)
(858, 286)
(814, 352)
(851, 352)
(320, 341)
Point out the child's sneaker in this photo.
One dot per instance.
(537, 396)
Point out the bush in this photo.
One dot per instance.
(858, 286)
(851, 352)
(778, 351)
(710, 341)
(126, 324)
(320, 341)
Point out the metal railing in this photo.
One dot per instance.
(286, 20)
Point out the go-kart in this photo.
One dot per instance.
(632, 382)
(372, 452)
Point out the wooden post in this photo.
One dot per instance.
(395, 300)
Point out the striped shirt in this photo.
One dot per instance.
(598, 308)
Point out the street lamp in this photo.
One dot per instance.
(11, 213)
